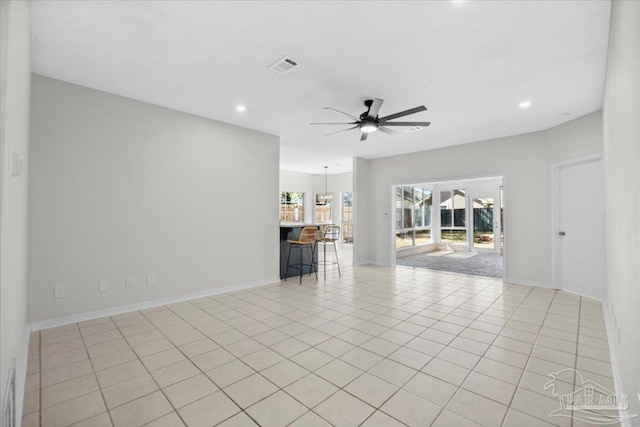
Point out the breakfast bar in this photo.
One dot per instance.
(291, 231)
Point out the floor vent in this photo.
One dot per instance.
(284, 65)
(9, 405)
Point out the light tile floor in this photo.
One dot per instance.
(377, 347)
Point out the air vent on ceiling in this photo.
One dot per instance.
(284, 65)
(413, 129)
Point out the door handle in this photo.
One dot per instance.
(562, 233)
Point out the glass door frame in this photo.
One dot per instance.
(497, 223)
(347, 226)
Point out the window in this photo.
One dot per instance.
(323, 209)
(291, 207)
(413, 216)
(453, 216)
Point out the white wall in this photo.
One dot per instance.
(362, 217)
(121, 188)
(622, 188)
(15, 76)
(525, 162)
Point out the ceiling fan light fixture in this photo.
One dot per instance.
(368, 126)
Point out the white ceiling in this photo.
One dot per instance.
(469, 62)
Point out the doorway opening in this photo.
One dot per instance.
(454, 226)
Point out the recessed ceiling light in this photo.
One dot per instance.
(525, 104)
(241, 108)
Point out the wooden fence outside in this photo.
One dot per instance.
(291, 213)
(295, 213)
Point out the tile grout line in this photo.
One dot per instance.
(527, 363)
(185, 379)
(95, 375)
(472, 369)
(139, 359)
(575, 360)
(341, 303)
(435, 356)
(447, 345)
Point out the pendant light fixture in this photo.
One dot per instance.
(324, 198)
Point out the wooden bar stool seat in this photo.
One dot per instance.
(308, 238)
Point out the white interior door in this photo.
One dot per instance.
(581, 228)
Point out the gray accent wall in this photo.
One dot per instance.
(121, 188)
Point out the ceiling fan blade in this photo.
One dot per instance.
(350, 123)
(389, 131)
(375, 107)
(343, 130)
(404, 113)
(406, 123)
(364, 136)
(343, 113)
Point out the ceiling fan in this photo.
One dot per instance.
(369, 121)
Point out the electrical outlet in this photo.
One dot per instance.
(131, 282)
(103, 286)
(15, 165)
(151, 279)
(58, 292)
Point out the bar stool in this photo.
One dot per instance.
(330, 235)
(307, 239)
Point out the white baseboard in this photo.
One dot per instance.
(370, 262)
(528, 282)
(380, 263)
(66, 320)
(615, 367)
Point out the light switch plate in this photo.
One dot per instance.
(58, 292)
(103, 286)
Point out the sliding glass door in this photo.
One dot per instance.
(487, 221)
